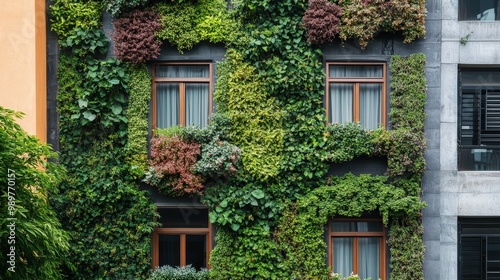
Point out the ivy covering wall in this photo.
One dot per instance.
(270, 208)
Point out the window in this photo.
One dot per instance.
(479, 119)
(356, 93)
(479, 248)
(182, 94)
(478, 10)
(184, 238)
(357, 245)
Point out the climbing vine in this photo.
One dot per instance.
(260, 165)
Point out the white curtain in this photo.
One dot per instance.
(370, 105)
(356, 71)
(182, 71)
(342, 255)
(369, 257)
(197, 104)
(341, 99)
(167, 105)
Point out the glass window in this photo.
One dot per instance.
(356, 93)
(182, 94)
(479, 119)
(358, 246)
(478, 10)
(183, 238)
(479, 248)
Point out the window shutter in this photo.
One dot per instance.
(470, 258)
(491, 133)
(470, 121)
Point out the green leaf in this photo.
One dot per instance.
(89, 116)
(235, 227)
(117, 109)
(258, 194)
(82, 103)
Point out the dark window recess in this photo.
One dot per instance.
(479, 10)
(479, 249)
(479, 120)
(183, 217)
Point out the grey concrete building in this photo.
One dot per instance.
(461, 185)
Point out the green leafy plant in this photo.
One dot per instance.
(69, 14)
(186, 23)
(344, 142)
(103, 102)
(363, 20)
(300, 229)
(85, 42)
(218, 159)
(118, 7)
(179, 273)
(255, 116)
(137, 112)
(32, 241)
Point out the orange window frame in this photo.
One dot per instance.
(357, 81)
(355, 236)
(182, 232)
(182, 81)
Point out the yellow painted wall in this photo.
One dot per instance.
(23, 62)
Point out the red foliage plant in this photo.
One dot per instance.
(134, 36)
(173, 160)
(322, 21)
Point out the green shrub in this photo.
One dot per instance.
(347, 141)
(186, 23)
(408, 92)
(139, 85)
(118, 7)
(70, 14)
(256, 118)
(179, 273)
(27, 222)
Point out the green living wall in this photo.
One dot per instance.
(261, 165)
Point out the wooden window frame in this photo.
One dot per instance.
(357, 81)
(182, 81)
(355, 236)
(182, 232)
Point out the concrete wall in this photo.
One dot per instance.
(22, 71)
(461, 193)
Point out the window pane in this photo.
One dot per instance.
(182, 71)
(183, 217)
(167, 105)
(169, 250)
(493, 249)
(356, 227)
(196, 250)
(342, 255)
(478, 10)
(197, 104)
(341, 103)
(370, 105)
(369, 257)
(356, 71)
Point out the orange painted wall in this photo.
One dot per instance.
(23, 62)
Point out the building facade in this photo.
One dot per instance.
(463, 77)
